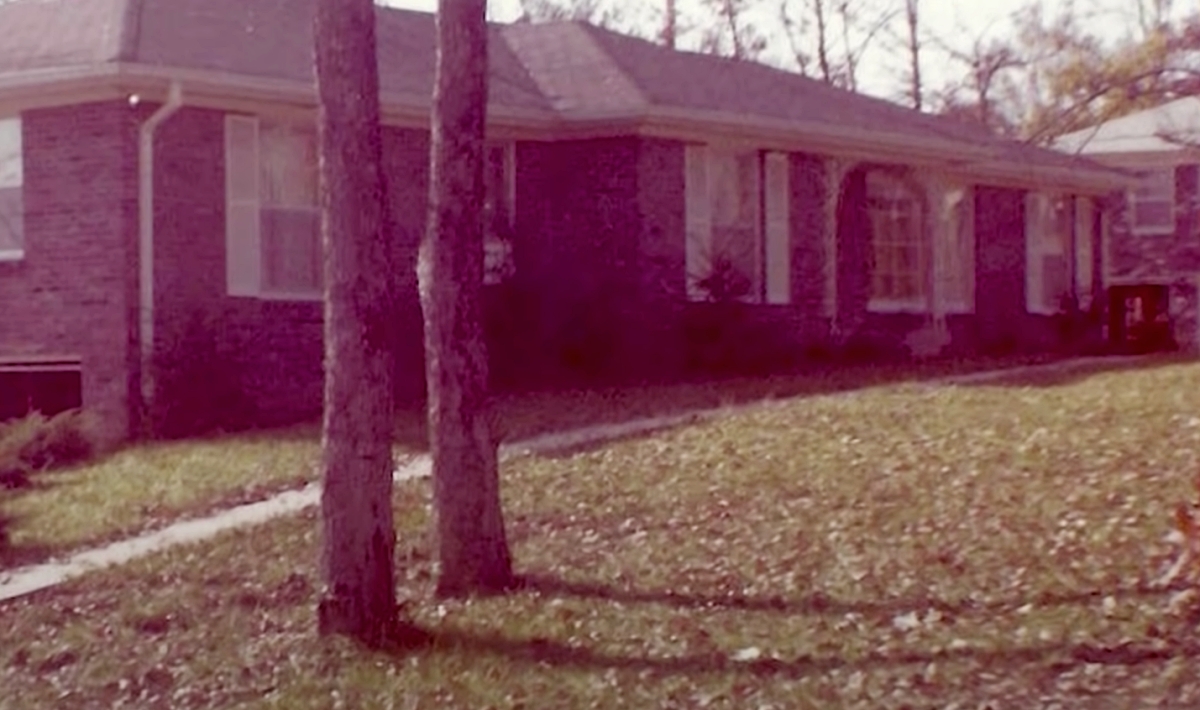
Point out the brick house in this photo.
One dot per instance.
(649, 211)
(1153, 265)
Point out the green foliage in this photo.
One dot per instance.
(1079, 80)
(38, 443)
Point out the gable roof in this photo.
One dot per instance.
(1162, 129)
(555, 74)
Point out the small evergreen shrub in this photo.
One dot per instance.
(37, 443)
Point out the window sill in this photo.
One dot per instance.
(885, 306)
(12, 255)
(1152, 231)
(281, 297)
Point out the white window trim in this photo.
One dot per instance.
(917, 306)
(14, 255)
(1133, 200)
(944, 244)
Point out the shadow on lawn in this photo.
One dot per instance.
(819, 603)
(523, 414)
(1062, 656)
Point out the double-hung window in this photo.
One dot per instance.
(899, 245)
(273, 232)
(273, 216)
(1152, 203)
(1047, 252)
(738, 239)
(12, 227)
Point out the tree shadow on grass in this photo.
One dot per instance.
(820, 603)
(1059, 656)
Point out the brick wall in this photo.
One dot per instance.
(578, 256)
(1159, 258)
(600, 285)
(260, 361)
(1167, 259)
(74, 294)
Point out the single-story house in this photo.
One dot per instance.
(1154, 264)
(159, 248)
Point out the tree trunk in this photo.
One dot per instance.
(916, 90)
(473, 550)
(359, 598)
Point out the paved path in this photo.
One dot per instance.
(25, 580)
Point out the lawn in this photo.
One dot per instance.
(148, 486)
(903, 546)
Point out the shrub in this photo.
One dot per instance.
(37, 443)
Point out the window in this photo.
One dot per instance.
(273, 245)
(1047, 246)
(738, 235)
(957, 251)
(12, 227)
(273, 217)
(290, 216)
(899, 245)
(1152, 203)
(499, 213)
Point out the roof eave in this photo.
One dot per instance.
(820, 137)
(57, 86)
(1089, 180)
(49, 87)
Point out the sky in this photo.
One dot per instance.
(960, 22)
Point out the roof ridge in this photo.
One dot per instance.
(589, 30)
(544, 77)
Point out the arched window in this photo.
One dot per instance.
(899, 244)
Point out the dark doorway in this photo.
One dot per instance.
(1140, 319)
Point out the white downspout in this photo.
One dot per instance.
(146, 238)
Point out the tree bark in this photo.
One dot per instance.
(912, 19)
(359, 597)
(473, 549)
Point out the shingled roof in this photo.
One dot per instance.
(1171, 127)
(558, 72)
(270, 39)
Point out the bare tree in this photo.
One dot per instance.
(837, 34)
(473, 549)
(983, 95)
(359, 597)
(732, 33)
(913, 26)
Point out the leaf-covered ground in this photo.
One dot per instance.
(902, 546)
(149, 486)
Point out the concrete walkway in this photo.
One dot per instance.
(26, 580)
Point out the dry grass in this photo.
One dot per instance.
(906, 546)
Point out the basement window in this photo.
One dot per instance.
(46, 385)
